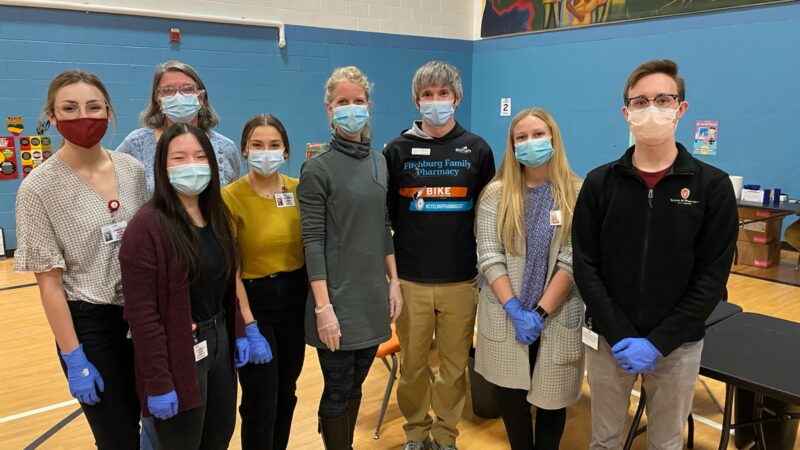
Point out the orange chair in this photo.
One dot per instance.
(388, 348)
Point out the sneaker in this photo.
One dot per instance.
(414, 445)
(438, 446)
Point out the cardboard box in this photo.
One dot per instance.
(762, 231)
(758, 255)
(756, 213)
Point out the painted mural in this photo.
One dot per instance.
(502, 17)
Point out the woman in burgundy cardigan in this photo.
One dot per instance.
(179, 263)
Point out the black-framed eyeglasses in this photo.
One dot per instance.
(660, 101)
(185, 89)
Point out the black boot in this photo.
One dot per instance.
(352, 412)
(335, 432)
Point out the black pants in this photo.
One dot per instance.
(343, 372)
(517, 418)
(211, 425)
(102, 331)
(268, 390)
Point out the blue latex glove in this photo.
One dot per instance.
(260, 352)
(635, 355)
(527, 324)
(163, 406)
(242, 352)
(82, 377)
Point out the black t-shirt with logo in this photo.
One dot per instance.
(434, 184)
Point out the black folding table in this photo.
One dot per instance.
(758, 353)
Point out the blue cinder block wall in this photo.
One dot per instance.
(244, 71)
(741, 67)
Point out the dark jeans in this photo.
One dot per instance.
(211, 425)
(343, 372)
(268, 390)
(102, 331)
(517, 418)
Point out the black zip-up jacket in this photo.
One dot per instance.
(653, 262)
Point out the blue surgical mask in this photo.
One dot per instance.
(438, 113)
(534, 152)
(190, 179)
(265, 162)
(181, 108)
(351, 118)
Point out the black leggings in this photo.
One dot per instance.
(268, 390)
(102, 330)
(517, 418)
(344, 372)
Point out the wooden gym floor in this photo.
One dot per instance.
(34, 395)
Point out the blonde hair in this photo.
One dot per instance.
(355, 76)
(511, 215)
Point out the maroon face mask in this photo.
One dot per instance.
(85, 132)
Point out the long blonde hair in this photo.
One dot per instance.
(355, 76)
(511, 215)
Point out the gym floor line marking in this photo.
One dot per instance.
(19, 286)
(37, 411)
(43, 409)
(697, 417)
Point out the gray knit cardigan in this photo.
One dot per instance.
(558, 374)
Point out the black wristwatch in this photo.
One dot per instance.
(541, 312)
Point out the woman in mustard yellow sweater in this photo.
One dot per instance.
(266, 220)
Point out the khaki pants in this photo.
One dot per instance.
(670, 390)
(446, 310)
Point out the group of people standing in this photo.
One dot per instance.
(209, 276)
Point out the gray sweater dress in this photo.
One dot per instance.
(346, 233)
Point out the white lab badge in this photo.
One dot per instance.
(200, 351)
(589, 338)
(285, 200)
(555, 218)
(421, 151)
(113, 233)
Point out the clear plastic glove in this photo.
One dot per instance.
(82, 377)
(260, 352)
(163, 406)
(635, 355)
(242, 352)
(527, 324)
(395, 300)
(328, 327)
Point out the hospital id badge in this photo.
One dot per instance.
(200, 351)
(285, 200)
(589, 338)
(113, 233)
(555, 218)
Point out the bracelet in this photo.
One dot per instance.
(394, 283)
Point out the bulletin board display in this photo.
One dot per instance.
(9, 169)
(33, 151)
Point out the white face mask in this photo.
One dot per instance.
(652, 126)
(266, 162)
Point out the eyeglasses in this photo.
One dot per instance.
(660, 100)
(91, 109)
(169, 91)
